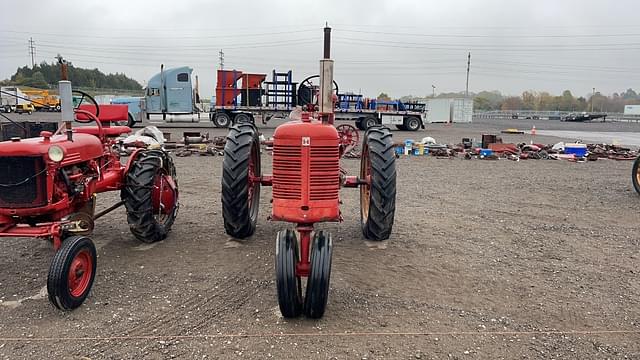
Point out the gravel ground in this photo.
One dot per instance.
(488, 259)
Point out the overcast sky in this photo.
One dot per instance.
(399, 47)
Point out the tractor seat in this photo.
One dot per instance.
(108, 113)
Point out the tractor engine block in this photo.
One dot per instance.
(306, 173)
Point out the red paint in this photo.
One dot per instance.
(80, 273)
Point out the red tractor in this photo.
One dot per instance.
(48, 188)
(306, 182)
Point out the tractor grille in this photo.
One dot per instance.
(287, 172)
(23, 182)
(325, 173)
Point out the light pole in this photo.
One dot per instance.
(592, 96)
(434, 91)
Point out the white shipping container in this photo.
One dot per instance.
(459, 110)
(632, 109)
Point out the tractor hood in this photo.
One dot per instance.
(84, 147)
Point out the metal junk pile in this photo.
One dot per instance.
(492, 148)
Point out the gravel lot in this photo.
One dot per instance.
(488, 259)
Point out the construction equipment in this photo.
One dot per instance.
(49, 185)
(306, 181)
(42, 100)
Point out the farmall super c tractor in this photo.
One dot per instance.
(48, 188)
(306, 182)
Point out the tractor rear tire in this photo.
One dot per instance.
(72, 272)
(378, 199)
(241, 198)
(317, 293)
(288, 284)
(138, 192)
(635, 175)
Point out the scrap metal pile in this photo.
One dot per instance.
(492, 148)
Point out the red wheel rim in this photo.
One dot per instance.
(349, 136)
(80, 273)
(163, 194)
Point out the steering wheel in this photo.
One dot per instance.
(308, 90)
(92, 101)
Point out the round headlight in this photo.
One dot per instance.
(55, 153)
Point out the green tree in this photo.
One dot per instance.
(384, 96)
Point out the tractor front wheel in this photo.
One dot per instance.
(288, 284)
(240, 180)
(150, 196)
(317, 294)
(635, 174)
(72, 272)
(378, 195)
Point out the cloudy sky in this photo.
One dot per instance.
(399, 47)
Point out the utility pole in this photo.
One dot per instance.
(221, 54)
(433, 87)
(32, 52)
(466, 92)
(592, 96)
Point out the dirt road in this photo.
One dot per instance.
(488, 259)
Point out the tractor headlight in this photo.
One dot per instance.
(56, 153)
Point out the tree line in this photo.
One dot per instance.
(46, 76)
(544, 101)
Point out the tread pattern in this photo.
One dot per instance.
(137, 196)
(57, 280)
(289, 287)
(634, 172)
(317, 294)
(382, 198)
(240, 217)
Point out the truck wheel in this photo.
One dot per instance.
(635, 175)
(368, 122)
(221, 120)
(243, 118)
(150, 196)
(378, 198)
(287, 283)
(359, 124)
(72, 272)
(58, 108)
(317, 294)
(411, 123)
(401, 127)
(130, 121)
(240, 192)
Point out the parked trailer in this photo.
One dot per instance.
(243, 97)
(450, 110)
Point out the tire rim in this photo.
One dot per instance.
(365, 189)
(413, 123)
(254, 183)
(638, 175)
(223, 120)
(370, 122)
(163, 197)
(80, 273)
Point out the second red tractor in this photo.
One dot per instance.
(306, 182)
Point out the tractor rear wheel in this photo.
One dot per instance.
(317, 294)
(288, 284)
(240, 187)
(378, 197)
(635, 175)
(150, 196)
(72, 272)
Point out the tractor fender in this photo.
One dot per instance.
(132, 158)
